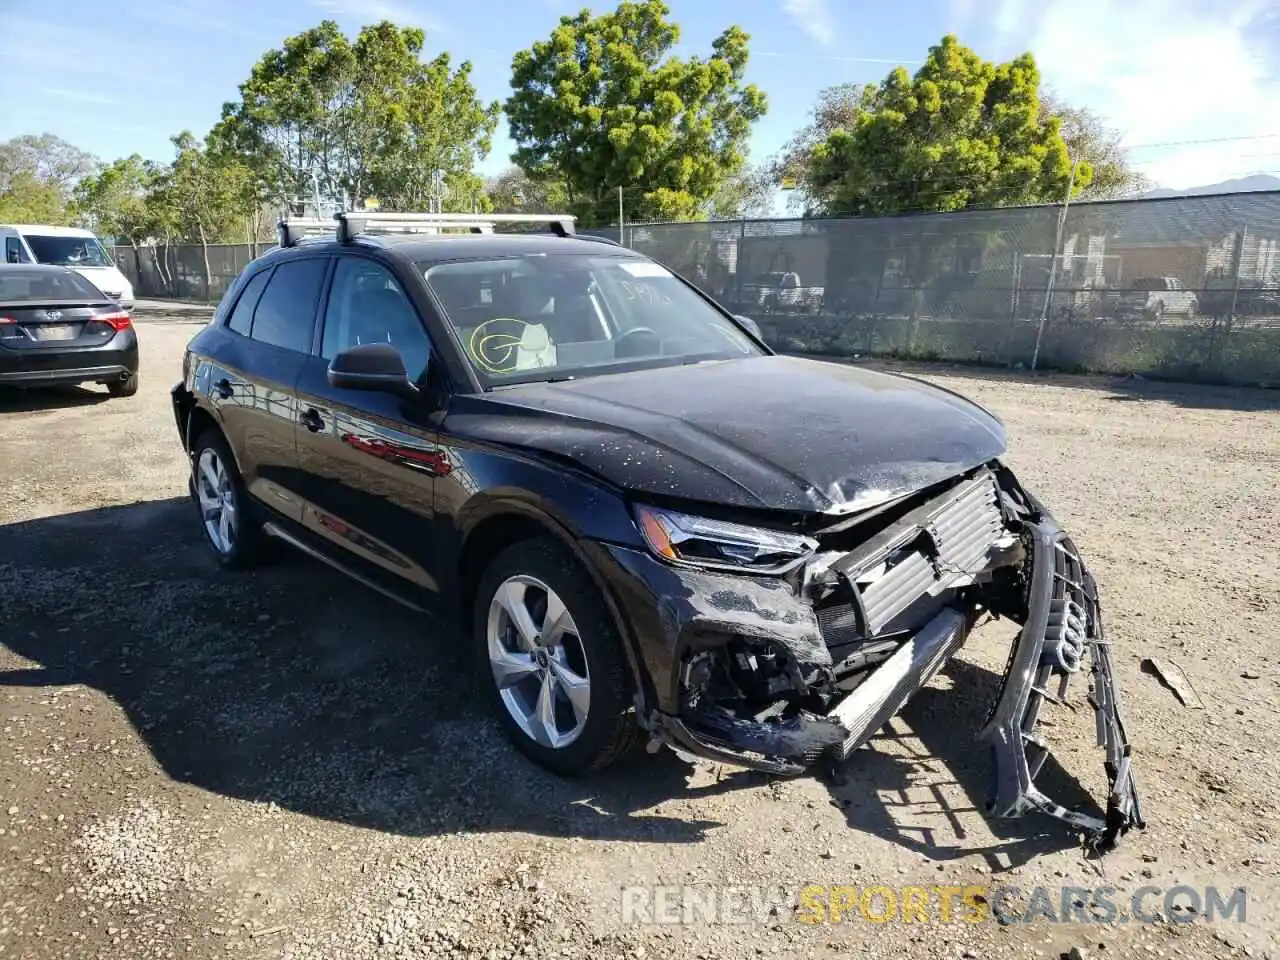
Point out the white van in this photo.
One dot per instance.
(67, 247)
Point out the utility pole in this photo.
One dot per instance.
(621, 236)
(1053, 263)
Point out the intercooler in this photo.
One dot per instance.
(937, 547)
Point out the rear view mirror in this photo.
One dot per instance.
(370, 366)
(12, 256)
(753, 328)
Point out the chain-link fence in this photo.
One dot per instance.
(1187, 288)
(179, 270)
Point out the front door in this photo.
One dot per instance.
(370, 458)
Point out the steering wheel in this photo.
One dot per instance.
(634, 331)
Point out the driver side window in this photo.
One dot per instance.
(368, 305)
(13, 252)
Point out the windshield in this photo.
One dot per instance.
(555, 316)
(68, 251)
(17, 284)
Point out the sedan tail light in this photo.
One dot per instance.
(117, 321)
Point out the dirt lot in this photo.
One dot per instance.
(279, 764)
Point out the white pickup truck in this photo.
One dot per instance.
(1159, 296)
(781, 290)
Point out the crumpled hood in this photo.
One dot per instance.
(781, 433)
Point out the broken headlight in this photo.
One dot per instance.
(682, 538)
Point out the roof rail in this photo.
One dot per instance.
(291, 230)
(354, 223)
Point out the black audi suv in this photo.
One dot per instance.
(57, 328)
(646, 522)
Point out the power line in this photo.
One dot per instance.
(1201, 141)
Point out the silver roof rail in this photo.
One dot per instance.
(292, 230)
(356, 222)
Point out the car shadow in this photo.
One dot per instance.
(295, 686)
(1195, 397)
(923, 782)
(33, 399)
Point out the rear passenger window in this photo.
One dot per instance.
(242, 316)
(286, 311)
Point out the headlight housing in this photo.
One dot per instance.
(718, 544)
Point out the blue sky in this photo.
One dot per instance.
(122, 76)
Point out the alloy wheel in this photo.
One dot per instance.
(217, 497)
(538, 662)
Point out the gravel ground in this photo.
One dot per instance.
(279, 764)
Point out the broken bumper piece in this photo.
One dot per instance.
(1063, 622)
(792, 745)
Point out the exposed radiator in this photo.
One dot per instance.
(935, 552)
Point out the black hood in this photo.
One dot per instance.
(779, 433)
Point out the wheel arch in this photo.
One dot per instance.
(502, 523)
(200, 419)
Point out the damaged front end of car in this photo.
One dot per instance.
(793, 649)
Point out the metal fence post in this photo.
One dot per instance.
(737, 264)
(1241, 236)
(1053, 265)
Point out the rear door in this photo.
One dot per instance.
(253, 368)
(370, 458)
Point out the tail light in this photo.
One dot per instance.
(116, 321)
(7, 321)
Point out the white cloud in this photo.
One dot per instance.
(402, 14)
(78, 96)
(1163, 71)
(814, 18)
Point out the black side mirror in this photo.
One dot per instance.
(753, 328)
(13, 256)
(370, 366)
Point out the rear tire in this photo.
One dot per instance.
(565, 698)
(227, 517)
(124, 388)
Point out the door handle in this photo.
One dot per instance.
(224, 389)
(312, 420)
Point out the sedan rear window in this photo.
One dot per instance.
(19, 284)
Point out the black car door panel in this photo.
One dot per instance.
(252, 376)
(369, 457)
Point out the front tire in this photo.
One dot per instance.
(230, 529)
(552, 659)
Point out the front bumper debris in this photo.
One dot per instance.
(1061, 623)
(1063, 620)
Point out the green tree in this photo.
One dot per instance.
(28, 199)
(837, 108)
(961, 132)
(744, 195)
(114, 200)
(203, 192)
(514, 191)
(49, 159)
(1089, 139)
(602, 104)
(358, 120)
